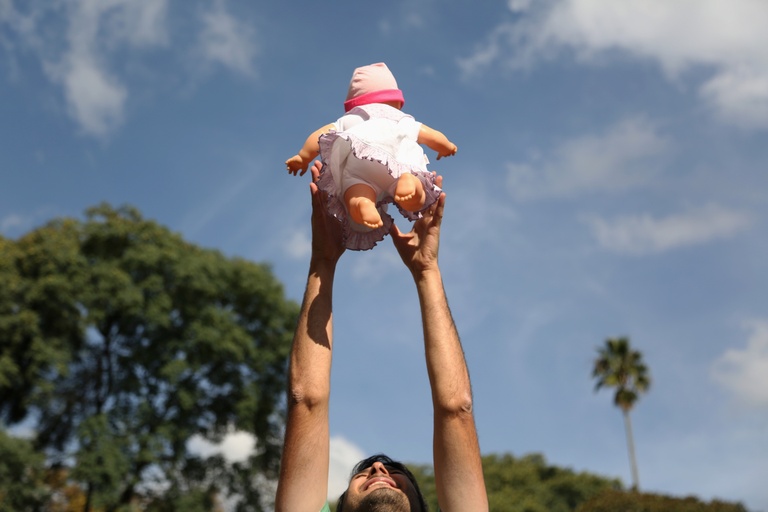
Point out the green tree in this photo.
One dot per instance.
(618, 366)
(526, 484)
(613, 500)
(22, 475)
(123, 341)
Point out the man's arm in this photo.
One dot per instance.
(303, 483)
(458, 469)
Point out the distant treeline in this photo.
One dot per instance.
(529, 484)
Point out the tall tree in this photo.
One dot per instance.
(618, 366)
(123, 341)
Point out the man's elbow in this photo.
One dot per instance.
(308, 398)
(459, 405)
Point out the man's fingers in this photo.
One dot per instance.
(316, 168)
(439, 208)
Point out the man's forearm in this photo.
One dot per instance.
(306, 447)
(458, 468)
(310, 364)
(447, 369)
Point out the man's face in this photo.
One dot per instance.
(381, 489)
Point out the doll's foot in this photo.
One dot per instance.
(363, 211)
(409, 193)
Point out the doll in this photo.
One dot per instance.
(371, 157)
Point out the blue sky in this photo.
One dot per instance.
(610, 180)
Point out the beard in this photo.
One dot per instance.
(384, 500)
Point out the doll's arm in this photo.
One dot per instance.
(308, 152)
(437, 141)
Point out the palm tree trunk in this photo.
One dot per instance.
(631, 449)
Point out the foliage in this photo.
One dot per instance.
(123, 341)
(22, 475)
(526, 484)
(66, 495)
(611, 501)
(529, 484)
(618, 366)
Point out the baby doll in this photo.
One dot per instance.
(372, 156)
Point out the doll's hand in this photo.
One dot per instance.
(450, 151)
(296, 163)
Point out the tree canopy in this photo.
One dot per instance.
(526, 484)
(530, 484)
(120, 341)
(22, 475)
(611, 501)
(619, 366)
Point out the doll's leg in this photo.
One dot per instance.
(361, 205)
(409, 193)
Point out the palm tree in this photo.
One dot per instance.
(618, 366)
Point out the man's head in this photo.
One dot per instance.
(379, 484)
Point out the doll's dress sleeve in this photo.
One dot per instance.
(373, 144)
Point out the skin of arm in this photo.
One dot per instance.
(436, 141)
(308, 152)
(303, 481)
(458, 468)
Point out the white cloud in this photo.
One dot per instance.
(519, 5)
(728, 38)
(75, 52)
(23, 24)
(740, 95)
(495, 48)
(343, 457)
(238, 446)
(298, 245)
(228, 41)
(12, 221)
(375, 265)
(413, 20)
(643, 234)
(95, 96)
(78, 41)
(409, 16)
(235, 447)
(744, 372)
(621, 158)
(15, 224)
(141, 23)
(95, 99)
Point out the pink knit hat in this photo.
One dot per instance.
(372, 84)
